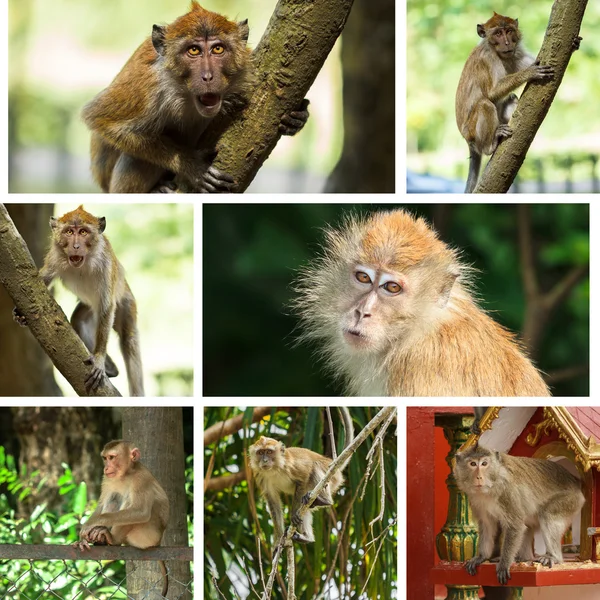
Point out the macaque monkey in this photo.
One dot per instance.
(517, 496)
(82, 257)
(295, 471)
(484, 102)
(133, 508)
(148, 124)
(390, 305)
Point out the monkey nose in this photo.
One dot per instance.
(207, 76)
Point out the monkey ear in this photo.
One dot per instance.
(517, 22)
(480, 30)
(158, 39)
(448, 280)
(53, 222)
(244, 30)
(135, 455)
(282, 446)
(101, 224)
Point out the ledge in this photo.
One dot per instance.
(522, 574)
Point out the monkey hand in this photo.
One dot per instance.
(546, 560)
(539, 72)
(19, 318)
(576, 43)
(503, 573)
(291, 123)
(472, 564)
(97, 374)
(81, 545)
(214, 181)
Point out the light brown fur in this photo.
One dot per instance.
(416, 331)
(133, 508)
(513, 497)
(484, 103)
(296, 471)
(82, 257)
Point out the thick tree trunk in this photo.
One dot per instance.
(368, 161)
(288, 58)
(158, 433)
(45, 319)
(25, 369)
(562, 31)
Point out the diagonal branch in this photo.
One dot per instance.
(45, 319)
(561, 33)
(298, 39)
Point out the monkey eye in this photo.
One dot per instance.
(69, 232)
(484, 463)
(362, 277)
(193, 51)
(83, 232)
(218, 49)
(392, 287)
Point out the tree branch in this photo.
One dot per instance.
(229, 427)
(45, 319)
(562, 31)
(287, 60)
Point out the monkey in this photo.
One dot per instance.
(484, 102)
(517, 496)
(296, 471)
(133, 508)
(391, 307)
(82, 257)
(148, 124)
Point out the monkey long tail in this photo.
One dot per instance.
(348, 430)
(474, 167)
(165, 575)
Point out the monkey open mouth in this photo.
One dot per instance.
(209, 100)
(76, 261)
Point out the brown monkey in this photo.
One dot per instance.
(296, 471)
(484, 102)
(391, 306)
(82, 257)
(133, 508)
(148, 124)
(517, 496)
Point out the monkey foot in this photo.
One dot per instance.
(503, 132)
(546, 561)
(217, 182)
(19, 318)
(96, 377)
(81, 545)
(297, 537)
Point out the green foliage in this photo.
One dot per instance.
(232, 534)
(249, 331)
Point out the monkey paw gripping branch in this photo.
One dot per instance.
(442, 531)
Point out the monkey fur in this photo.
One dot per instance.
(295, 471)
(517, 496)
(148, 125)
(391, 308)
(484, 102)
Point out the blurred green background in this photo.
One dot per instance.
(440, 37)
(62, 53)
(251, 254)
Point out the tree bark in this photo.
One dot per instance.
(45, 319)
(368, 161)
(25, 369)
(288, 58)
(562, 31)
(158, 433)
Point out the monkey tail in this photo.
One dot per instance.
(165, 575)
(348, 431)
(474, 167)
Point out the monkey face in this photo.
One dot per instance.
(476, 471)
(266, 454)
(376, 296)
